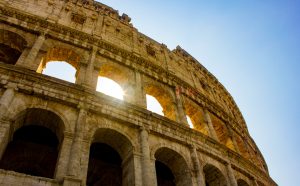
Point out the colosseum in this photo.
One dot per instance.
(59, 133)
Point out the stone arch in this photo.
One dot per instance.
(241, 182)
(242, 147)
(35, 139)
(121, 75)
(222, 131)
(117, 159)
(11, 46)
(172, 162)
(21, 104)
(213, 176)
(196, 113)
(61, 54)
(164, 97)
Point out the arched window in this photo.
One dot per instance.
(11, 47)
(110, 87)
(110, 161)
(171, 168)
(61, 70)
(164, 97)
(61, 63)
(34, 145)
(153, 105)
(213, 176)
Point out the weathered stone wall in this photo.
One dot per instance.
(95, 40)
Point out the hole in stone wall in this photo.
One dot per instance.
(104, 166)
(153, 105)
(61, 70)
(164, 174)
(110, 87)
(33, 151)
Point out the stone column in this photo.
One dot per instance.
(74, 161)
(29, 61)
(140, 96)
(62, 163)
(7, 98)
(231, 176)
(147, 173)
(181, 113)
(231, 134)
(89, 73)
(4, 135)
(212, 131)
(85, 156)
(197, 168)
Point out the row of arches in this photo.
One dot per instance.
(37, 136)
(65, 63)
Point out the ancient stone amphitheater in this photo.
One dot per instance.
(53, 132)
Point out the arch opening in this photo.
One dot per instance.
(34, 145)
(61, 63)
(104, 166)
(164, 98)
(195, 116)
(213, 176)
(61, 70)
(110, 87)
(111, 160)
(11, 47)
(153, 105)
(165, 176)
(171, 168)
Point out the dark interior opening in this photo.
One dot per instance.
(164, 175)
(33, 151)
(104, 166)
(8, 55)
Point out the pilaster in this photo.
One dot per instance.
(212, 131)
(29, 61)
(147, 173)
(231, 176)
(179, 104)
(200, 179)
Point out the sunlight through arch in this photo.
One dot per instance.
(189, 121)
(110, 88)
(153, 105)
(61, 70)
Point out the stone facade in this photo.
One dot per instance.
(145, 148)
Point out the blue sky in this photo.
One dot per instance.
(253, 48)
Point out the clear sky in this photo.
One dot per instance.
(253, 48)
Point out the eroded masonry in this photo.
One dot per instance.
(53, 132)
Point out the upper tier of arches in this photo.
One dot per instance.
(89, 65)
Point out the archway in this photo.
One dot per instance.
(153, 105)
(111, 160)
(35, 143)
(213, 176)
(164, 98)
(171, 168)
(61, 63)
(196, 116)
(116, 81)
(11, 47)
(110, 87)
